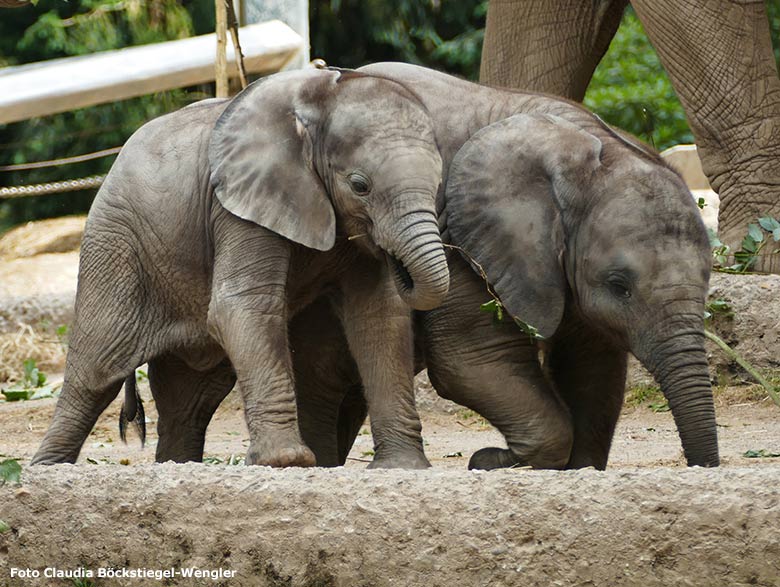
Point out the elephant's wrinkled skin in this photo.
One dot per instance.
(219, 223)
(583, 233)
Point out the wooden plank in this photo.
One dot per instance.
(48, 87)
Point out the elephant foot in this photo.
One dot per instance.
(493, 457)
(288, 456)
(39, 459)
(406, 460)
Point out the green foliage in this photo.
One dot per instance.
(496, 308)
(443, 34)
(760, 454)
(10, 472)
(757, 237)
(4, 527)
(630, 89)
(32, 385)
(717, 307)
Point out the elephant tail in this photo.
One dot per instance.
(132, 411)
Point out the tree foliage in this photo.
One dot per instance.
(443, 34)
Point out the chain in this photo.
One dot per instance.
(42, 189)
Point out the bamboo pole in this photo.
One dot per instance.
(233, 26)
(221, 74)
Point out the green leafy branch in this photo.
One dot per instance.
(723, 308)
(494, 306)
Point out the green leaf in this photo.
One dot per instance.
(529, 329)
(662, 406)
(489, 307)
(10, 471)
(755, 233)
(4, 527)
(768, 223)
(701, 203)
(749, 244)
(776, 234)
(15, 395)
(760, 454)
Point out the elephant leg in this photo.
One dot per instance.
(108, 341)
(325, 379)
(590, 375)
(551, 47)
(247, 316)
(378, 328)
(77, 411)
(493, 369)
(718, 55)
(186, 400)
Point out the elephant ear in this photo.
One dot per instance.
(507, 189)
(260, 154)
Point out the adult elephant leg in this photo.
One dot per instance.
(551, 47)
(186, 400)
(494, 370)
(325, 373)
(719, 57)
(590, 375)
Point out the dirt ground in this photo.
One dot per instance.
(646, 521)
(645, 438)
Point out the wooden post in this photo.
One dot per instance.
(221, 74)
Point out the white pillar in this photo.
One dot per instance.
(294, 13)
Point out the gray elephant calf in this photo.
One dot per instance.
(218, 223)
(582, 232)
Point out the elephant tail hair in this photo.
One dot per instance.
(132, 411)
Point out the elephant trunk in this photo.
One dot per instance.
(679, 364)
(418, 264)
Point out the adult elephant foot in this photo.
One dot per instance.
(292, 453)
(492, 457)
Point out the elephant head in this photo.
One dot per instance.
(315, 153)
(562, 219)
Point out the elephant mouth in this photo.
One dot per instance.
(403, 278)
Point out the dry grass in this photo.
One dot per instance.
(29, 343)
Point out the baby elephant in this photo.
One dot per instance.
(219, 222)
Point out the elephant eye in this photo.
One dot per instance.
(619, 288)
(359, 183)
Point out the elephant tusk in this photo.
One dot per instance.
(356, 236)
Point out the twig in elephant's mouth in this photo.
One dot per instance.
(403, 275)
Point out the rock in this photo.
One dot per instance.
(56, 235)
(753, 328)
